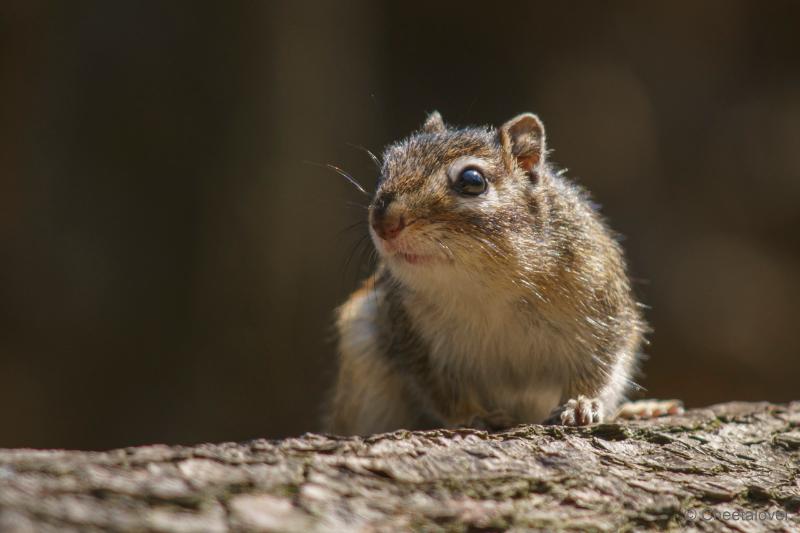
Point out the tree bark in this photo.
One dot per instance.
(730, 467)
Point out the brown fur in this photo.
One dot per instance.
(526, 305)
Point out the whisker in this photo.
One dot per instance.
(447, 251)
(372, 156)
(353, 226)
(348, 259)
(368, 266)
(355, 249)
(348, 177)
(354, 204)
(373, 261)
(343, 174)
(471, 105)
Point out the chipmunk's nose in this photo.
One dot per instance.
(385, 218)
(389, 228)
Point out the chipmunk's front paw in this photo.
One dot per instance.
(580, 411)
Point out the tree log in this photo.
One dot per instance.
(730, 467)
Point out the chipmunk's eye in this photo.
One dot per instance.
(470, 182)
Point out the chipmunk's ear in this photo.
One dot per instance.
(522, 138)
(434, 123)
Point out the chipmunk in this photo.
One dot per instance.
(501, 296)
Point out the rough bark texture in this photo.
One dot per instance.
(666, 473)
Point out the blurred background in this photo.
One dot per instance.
(170, 260)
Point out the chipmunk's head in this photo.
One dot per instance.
(458, 199)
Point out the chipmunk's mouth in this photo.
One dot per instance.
(402, 253)
(408, 249)
(407, 257)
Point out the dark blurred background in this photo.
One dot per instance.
(169, 261)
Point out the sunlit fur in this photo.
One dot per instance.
(498, 307)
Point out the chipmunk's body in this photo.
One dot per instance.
(501, 296)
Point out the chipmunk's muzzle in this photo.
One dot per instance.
(387, 218)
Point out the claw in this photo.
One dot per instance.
(580, 411)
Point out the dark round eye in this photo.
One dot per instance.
(470, 182)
